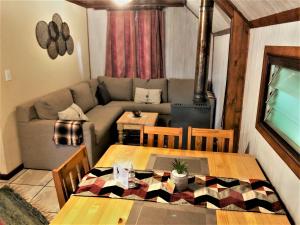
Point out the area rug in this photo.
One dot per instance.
(15, 210)
(211, 192)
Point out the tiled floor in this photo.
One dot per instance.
(37, 188)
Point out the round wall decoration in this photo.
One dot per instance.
(61, 45)
(55, 37)
(53, 30)
(57, 19)
(70, 45)
(42, 34)
(65, 30)
(52, 50)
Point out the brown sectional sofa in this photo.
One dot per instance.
(36, 119)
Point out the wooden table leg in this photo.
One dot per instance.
(120, 130)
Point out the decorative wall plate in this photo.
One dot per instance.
(42, 34)
(61, 45)
(57, 20)
(52, 50)
(53, 31)
(65, 30)
(70, 45)
(55, 37)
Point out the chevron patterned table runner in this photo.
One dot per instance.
(204, 191)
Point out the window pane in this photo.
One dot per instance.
(283, 104)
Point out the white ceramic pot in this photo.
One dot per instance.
(180, 180)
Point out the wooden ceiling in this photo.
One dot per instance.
(109, 4)
(254, 9)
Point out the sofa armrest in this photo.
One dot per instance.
(40, 151)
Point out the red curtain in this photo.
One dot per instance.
(135, 44)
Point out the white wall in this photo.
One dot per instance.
(97, 26)
(219, 73)
(181, 43)
(33, 73)
(284, 180)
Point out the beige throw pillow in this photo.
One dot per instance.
(148, 96)
(74, 112)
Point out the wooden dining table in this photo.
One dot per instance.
(107, 211)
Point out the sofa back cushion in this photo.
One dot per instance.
(120, 89)
(93, 85)
(47, 107)
(180, 90)
(83, 97)
(152, 84)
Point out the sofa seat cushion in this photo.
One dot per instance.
(162, 108)
(83, 97)
(118, 88)
(152, 84)
(104, 118)
(47, 107)
(180, 90)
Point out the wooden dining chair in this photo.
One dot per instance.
(210, 139)
(171, 133)
(67, 177)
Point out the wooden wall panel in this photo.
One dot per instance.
(238, 51)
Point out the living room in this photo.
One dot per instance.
(172, 48)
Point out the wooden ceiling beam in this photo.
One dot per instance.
(109, 4)
(278, 18)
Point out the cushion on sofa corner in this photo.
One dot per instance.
(47, 107)
(119, 88)
(152, 84)
(83, 97)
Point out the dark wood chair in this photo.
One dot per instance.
(69, 174)
(210, 139)
(171, 133)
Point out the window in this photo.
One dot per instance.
(278, 116)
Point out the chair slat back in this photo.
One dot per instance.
(67, 177)
(166, 136)
(210, 139)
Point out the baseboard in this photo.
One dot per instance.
(12, 173)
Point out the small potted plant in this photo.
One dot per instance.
(179, 174)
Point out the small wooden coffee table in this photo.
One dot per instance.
(129, 122)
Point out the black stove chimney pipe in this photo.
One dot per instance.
(203, 47)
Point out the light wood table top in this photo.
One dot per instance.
(147, 118)
(90, 210)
